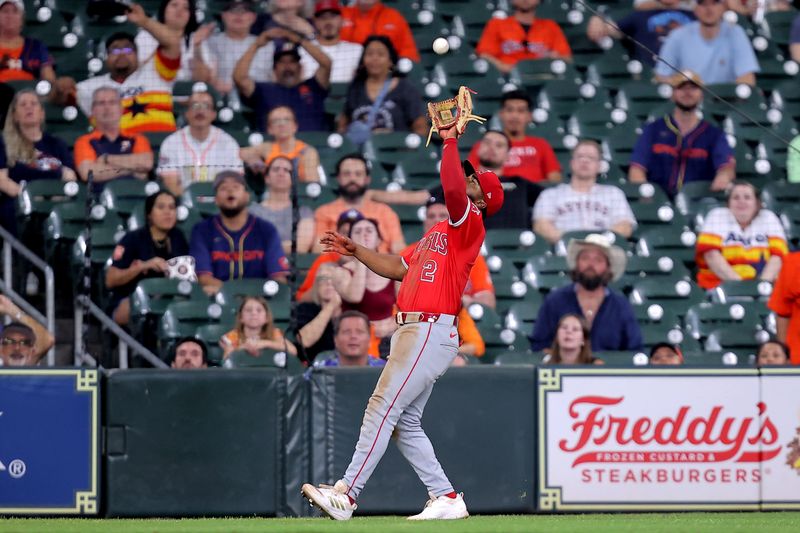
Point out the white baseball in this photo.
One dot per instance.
(441, 46)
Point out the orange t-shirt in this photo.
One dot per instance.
(504, 39)
(327, 215)
(479, 278)
(785, 301)
(468, 332)
(13, 68)
(379, 20)
(128, 144)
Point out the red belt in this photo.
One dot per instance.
(439, 318)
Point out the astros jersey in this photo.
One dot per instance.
(439, 266)
(146, 95)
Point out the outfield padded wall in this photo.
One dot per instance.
(194, 443)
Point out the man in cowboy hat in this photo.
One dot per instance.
(593, 263)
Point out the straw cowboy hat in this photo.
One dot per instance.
(615, 254)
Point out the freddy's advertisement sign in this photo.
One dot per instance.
(667, 439)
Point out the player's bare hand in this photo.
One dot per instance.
(334, 242)
(449, 133)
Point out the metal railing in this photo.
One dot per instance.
(10, 244)
(83, 304)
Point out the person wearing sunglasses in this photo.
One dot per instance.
(24, 341)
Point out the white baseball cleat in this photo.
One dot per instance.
(443, 508)
(332, 501)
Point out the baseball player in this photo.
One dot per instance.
(433, 277)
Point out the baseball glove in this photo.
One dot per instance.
(452, 112)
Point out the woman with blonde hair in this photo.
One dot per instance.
(254, 330)
(572, 344)
(28, 153)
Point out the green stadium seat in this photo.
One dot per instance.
(485, 317)
(233, 291)
(517, 358)
(125, 196)
(779, 24)
(616, 358)
(181, 319)
(393, 147)
(656, 314)
(521, 317)
(515, 246)
(509, 292)
(675, 297)
(200, 197)
(736, 338)
(668, 241)
(703, 318)
(210, 335)
(265, 359)
(640, 98)
(702, 357)
(65, 222)
(415, 173)
(546, 272)
(539, 71)
(780, 193)
(613, 71)
(773, 73)
(104, 240)
(741, 290)
(152, 296)
(654, 267)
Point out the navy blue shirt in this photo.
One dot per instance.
(672, 159)
(52, 154)
(307, 100)
(614, 328)
(254, 251)
(138, 244)
(651, 28)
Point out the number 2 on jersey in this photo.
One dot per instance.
(428, 271)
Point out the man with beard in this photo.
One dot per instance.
(582, 204)
(146, 89)
(352, 175)
(593, 262)
(24, 341)
(522, 36)
(305, 97)
(235, 244)
(681, 147)
(190, 353)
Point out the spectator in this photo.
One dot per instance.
(362, 289)
(570, 346)
(276, 207)
(216, 61)
(198, 150)
(522, 36)
(749, 8)
(665, 354)
(143, 253)
(520, 194)
(180, 16)
(681, 147)
(582, 204)
(305, 97)
(793, 159)
(146, 88)
(23, 341)
(343, 54)
(740, 241)
(794, 40)
(593, 263)
(718, 51)
(343, 223)
(353, 177)
(371, 17)
(107, 153)
(646, 27)
(28, 153)
(315, 318)
(234, 244)
(190, 353)
(531, 158)
(282, 127)
(255, 330)
(351, 339)
(785, 302)
(379, 97)
(772, 353)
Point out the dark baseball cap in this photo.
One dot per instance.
(286, 50)
(436, 197)
(20, 329)
(233, 4)
(351, 216)
(228, 174)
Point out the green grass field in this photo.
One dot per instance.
(594, 523)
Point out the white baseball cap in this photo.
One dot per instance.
(20, 5)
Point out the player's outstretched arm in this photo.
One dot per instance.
(452, 176)
(386, 265)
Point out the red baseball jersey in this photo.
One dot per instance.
(439, 266)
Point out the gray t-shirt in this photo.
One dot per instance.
(224, 53)
(281, 218)
(397, 112)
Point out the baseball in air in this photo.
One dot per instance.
(441, 46)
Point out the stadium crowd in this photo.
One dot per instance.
(649, 152)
